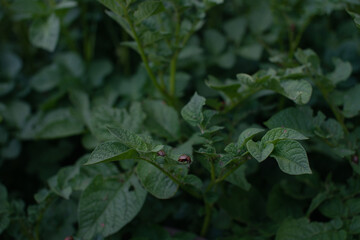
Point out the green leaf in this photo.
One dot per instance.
(214, 41)
(333, 208)
(147, 9)
(155, 181)
(47, 78)
(351, 100)
(81, 101)
(355, 14)
(342, 71)
(259, 150)
(235, 29)
(354, 206)
(107, 205)
(192, 111)
(113, 5)
(57, 124)
(297, 90)
(72, 63)
(281, 133)
(308, 56)
(130, 139)
(17, 113)
(45, 33)
(316, 202)
(354, 227)
(291, 157)
(300, 119)
(245, 79)
(302, 229)
(10, 66)
(229, 88)
(251, 51)
(162, 119)
(111, 151)
(246, 135)
(98, 70)
(104, 116)
(238, 178)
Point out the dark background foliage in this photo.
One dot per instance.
(68, 71)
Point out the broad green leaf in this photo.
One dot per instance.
(354, 227)
(120, 20)
(356, 16)
(246, 135)
(299, 119)
(28, 8)
(147, 9)
(330, 129)
(238, 178)
(104, 116)
(261, 17)
(251, 51)
(351, 102)
(259, 150)
(227, 59)
(333, 208)
(245, 79)
(308, 56)
(281, 133)
(192, 111)
(12, 149)
(155, 181)
(317, 201)
(66, 4)
(17, 113)
(229, 88)
(72, 63)
(297, 90)
(353, 205)
(81, 101)
(45, 33)
(63, 191)
(107, 205)
(47, 78)
(291, 157)
(98, 70)
(111, 151)
(10, 65)
(214, 41)
(302, 229)
(113, 5)
(342, 71)
(61, 183)
(58, 123)
(162, 119)
(193, 181)
(235, 29)
(130, 139)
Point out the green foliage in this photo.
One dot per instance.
(178, 119)
(106, 205)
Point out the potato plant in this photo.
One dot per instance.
(179, 119)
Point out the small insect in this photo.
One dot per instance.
(184, 158)
(161, 153)
(69, 238)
